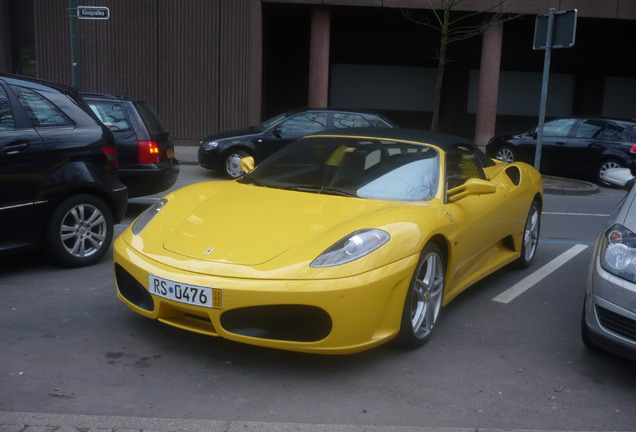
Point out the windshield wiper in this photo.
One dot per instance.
(247, 179)
(320, 190)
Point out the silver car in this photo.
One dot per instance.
(609, 311)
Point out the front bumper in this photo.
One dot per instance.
(610, 311)
(329, 316)
(209, 158)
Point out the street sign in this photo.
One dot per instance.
(563, 31)
(93, 12)
(554, 30)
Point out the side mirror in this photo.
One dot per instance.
(247, 164)
(473, 186)
(621, 177)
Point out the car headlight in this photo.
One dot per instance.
(209, 145)
(618, 252)
(144, 219)
(354, 246)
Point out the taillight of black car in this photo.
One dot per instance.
(149, 152)
(111, 153)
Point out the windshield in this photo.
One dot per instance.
(359, 167)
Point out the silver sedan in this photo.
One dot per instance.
(609, 311)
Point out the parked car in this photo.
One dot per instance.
(573, 147)
(222, 151)
(146, 153)
(609, 310)
(59, 188)
(361, 236)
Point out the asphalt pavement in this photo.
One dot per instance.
(45, 422)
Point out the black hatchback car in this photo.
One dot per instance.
(573, 147)
(222, 151)
(59, 188)
(145, 150)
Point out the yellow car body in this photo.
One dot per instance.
(237, 260)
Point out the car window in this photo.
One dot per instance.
(150, 118)
(590, 128)
(462, 164)
(343, 120)
(111, 114)
(558, 128)
(41, 111)
(303, 124)
(6, 114)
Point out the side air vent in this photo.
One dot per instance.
(514, 175)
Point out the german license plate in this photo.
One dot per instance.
(185, 293)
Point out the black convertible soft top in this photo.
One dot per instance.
(444, 141)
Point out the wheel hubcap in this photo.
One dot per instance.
(233, 165)
(606, 166)
(505, 155)
(83, 230)
(427, 295)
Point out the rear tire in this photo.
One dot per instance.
(505, 154)
(80, 231)
(604, 166)
(423, 303)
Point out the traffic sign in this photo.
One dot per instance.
(93, 12)
(563, 31)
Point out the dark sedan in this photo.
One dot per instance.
(573, 147)
(223, 151)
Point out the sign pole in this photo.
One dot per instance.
(544, 89)
(75, 71)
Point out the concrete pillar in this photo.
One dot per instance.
(488, 84)
(318, 94)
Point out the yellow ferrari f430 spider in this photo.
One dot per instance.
(335, 244)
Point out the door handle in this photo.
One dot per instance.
(15, 147)
(560, 143)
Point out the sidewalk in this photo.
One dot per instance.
(187, 155)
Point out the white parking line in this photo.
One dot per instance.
(529, 281)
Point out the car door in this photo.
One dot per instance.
(585, 150)
(22, 160)
(480, 222)
(555, 146)
(290, 130)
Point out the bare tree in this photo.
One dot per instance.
(456, 28)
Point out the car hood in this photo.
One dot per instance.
(236, 133)
(250, 225)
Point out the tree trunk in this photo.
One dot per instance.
(441, 65)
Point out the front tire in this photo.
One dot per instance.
(530, 236)
(80, 231)
(232, 163)
(423, 303)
